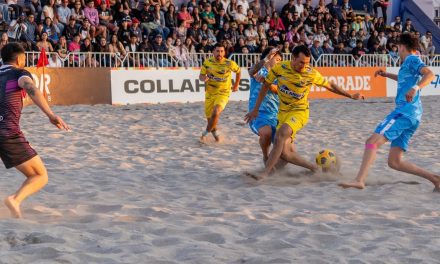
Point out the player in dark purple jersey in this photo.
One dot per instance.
(15, 150)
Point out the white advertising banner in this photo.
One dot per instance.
(166, 86)
(432, 89)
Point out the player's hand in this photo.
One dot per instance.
(272, 53)
(380, 72)
(358, 96)
(235, 88)
(58, 122)
(250, 116)
(410, 95)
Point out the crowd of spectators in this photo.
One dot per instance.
(119, 27)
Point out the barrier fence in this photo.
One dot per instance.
(163, 60)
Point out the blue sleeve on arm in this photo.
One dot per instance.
(416, 64)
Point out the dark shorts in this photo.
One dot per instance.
(15, 151)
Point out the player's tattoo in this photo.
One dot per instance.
(30, 88)
(256, 68)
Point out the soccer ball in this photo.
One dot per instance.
(327, 160)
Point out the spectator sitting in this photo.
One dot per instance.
(316, 50)
(221, 19)
(408, 26)
(326, 48)
(159, 45)
(252, 38)
(335, 10)
(63, 13)
(4, 40)
(203, 47)
(359, 50)
(397, 24)
(288, 8)
(17, 28)
(208, 16)
(105, 17)
(92, 15)
(48, 10)
(382, 40)
(170, 17)
(276, 23)
(51, 30)
(44, 43)
(426, 42)
(54, 61)
(240, 16)
(77, 13)
(206, 32)
(375, 49)
(62, 49)
(185, 16)
(340, 49)
(319, 36)
(286, 48)
(394, 54)
(224, 33)
(136, 30)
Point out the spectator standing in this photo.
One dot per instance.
(383, 4)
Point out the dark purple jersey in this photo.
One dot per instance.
(11, 100)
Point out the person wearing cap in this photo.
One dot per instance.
(124, 31)
(208, 16)
(216, 73)
(135, 29)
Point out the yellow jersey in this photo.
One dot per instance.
(219, 74)
(293, 86)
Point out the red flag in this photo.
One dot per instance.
(42, 60)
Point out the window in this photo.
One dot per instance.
(436, 13)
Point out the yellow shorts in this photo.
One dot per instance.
(212, 100)
(296, 120)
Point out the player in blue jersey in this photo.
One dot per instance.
(265, 124)
(399, 126)
(15, 150)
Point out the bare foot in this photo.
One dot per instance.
(436, 190)
(257, 176)
(437, 185)
(355, 184)
(203, 139)
(218, 138)
(13, 206)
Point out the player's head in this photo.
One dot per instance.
(219, 51)
(274, 60)
(407, 43)
(13, 53)
(300, 58)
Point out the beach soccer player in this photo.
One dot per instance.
(265, 124)
(401, 124)
(295, 78)
(15, 150)
(216, 73)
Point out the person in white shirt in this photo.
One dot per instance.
(54, 61)
(382, 39)
(299, 8)
(251, 37)
(240, 17)
(244, 4)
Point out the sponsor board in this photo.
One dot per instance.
(183, 85)
(432, 89)
(70, 86)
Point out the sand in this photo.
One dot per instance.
(131, 184)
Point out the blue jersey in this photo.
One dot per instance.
(409, 75)
(269, 106)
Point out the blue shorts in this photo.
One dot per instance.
(260, 122)
(398, 129)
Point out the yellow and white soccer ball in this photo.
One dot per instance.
(327, 160)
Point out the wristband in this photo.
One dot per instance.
(416, 87)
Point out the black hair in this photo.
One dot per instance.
(267, 51)
(410, 42)
(219, 45)
(301, 49)
(11, 51)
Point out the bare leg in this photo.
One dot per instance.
(290, 155)
(367, 161)
(37, 178)
(282, 136)
(265, 140)
(395, 162)
(212, 122)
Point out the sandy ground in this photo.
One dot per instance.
(131, 184)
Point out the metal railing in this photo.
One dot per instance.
(161, 60)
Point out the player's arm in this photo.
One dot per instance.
(37, 97)
(427, 77)
(334, 88)
(203, 77)
(237, 81)
(257, 67)
(254, 113)
(385, 74)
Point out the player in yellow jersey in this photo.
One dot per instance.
(216, 73)
(295, 78)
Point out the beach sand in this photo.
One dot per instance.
(132, 184)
